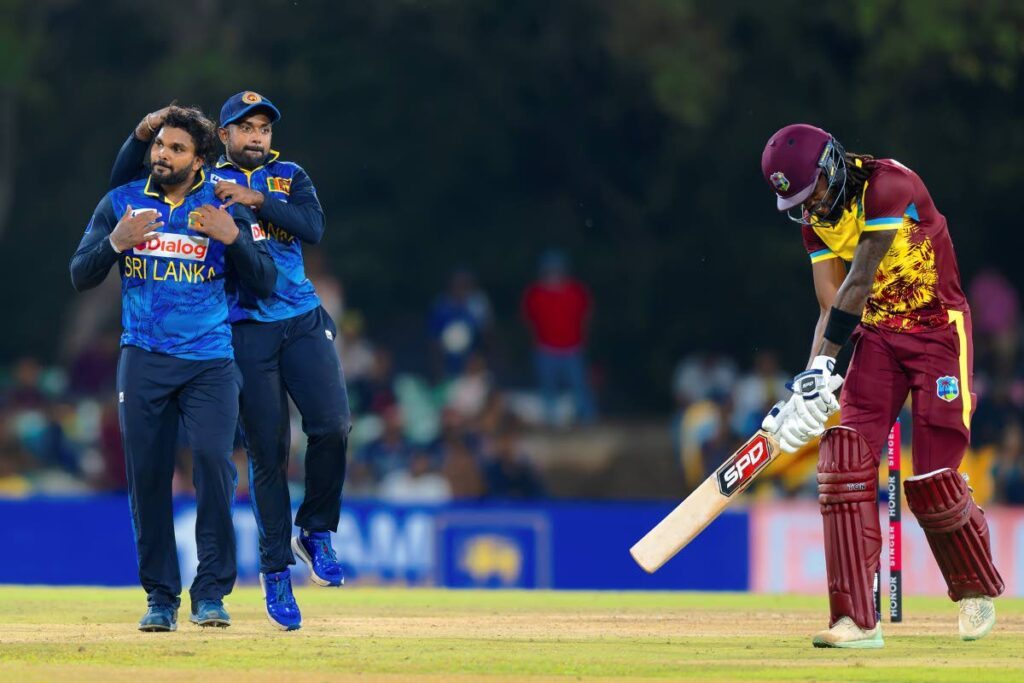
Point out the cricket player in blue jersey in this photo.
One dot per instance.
(180, 259)
(284, 346)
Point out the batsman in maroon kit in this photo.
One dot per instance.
(887, 280)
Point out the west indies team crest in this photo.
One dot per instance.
(779, 181)
(948, 388)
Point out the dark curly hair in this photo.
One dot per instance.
(194, 122)
(859, 168)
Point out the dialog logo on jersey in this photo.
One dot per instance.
(948, 388)
(166, 245)
(258, 233)
(737, 472)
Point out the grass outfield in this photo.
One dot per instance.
(380, 634)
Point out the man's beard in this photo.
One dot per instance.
(171, 178)
(248, 158)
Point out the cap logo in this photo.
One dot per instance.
(779, 181)
(251, 97)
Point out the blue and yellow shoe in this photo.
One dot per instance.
(282, 610)
(315, 549)
(159, 618)
(210, 613)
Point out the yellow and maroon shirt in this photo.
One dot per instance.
(917, 285)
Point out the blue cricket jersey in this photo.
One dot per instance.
(291, 214)
(176, 286)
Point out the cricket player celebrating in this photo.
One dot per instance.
(284, 346)
(178, 256)
(886, 279)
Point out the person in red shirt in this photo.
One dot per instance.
(557, 308)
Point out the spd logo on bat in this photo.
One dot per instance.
(736, 472)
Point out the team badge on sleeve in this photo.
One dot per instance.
(948, 388)
(779, 181)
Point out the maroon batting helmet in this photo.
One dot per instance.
(794, 158)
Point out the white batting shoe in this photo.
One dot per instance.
(977, 617)
(845, 633)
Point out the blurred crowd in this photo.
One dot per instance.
(449, 430)
(719, 406)
(443, 431)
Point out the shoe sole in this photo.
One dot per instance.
(866, 644)
(206, 623)
(158, 629)
(274, 622)
(308, 561)
(979, 636)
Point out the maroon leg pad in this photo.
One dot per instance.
(847, 493)
(957, 533)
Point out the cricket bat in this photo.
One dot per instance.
(707, 501)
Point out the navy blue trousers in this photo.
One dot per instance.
(294, 357)
(155, 393)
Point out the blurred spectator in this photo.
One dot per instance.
(356, 353)
(26, 392)
(455, 432)
(375, 392)
(391, 451)
(459, 320)
(94, 368)
(995, 313)
(557, 309)
(755, 393)
(1008, 466)
(509, 472)
(702, 375)
(419, 484)
(328, 288)
(996, 409)
(115, 477)
(462, 470)
(468, 394)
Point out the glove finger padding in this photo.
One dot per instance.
(773, 420)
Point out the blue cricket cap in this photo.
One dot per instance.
(244, 102)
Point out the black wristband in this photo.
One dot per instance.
(840, 326)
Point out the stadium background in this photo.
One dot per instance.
(453, 144)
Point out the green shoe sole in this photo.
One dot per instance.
(875, 643)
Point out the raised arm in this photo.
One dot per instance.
(129, 164)
(301, 216)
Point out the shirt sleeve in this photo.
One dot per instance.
(128, 165)
(251, 260)
(95, 254)
(302, 215)
(816, 248)
(886, 200)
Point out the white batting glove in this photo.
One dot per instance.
(785, 426)
(817, 385)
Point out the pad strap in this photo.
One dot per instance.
(956, 531)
